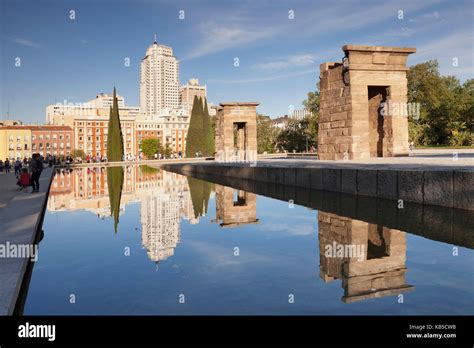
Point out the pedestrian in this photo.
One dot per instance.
(1, 166)
(36, 167)
(7, 165)
(24, 180)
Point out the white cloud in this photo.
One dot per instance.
(266, 78)
(288, 62)
(27, 43)
(218, 37)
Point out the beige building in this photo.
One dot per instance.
(159, 79)
(190, 90)
(63, 114)
(10, 123)
(15, 142)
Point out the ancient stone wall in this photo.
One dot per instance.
(352, 125)
(236, 132)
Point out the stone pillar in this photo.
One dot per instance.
(243, 115)
(345, 128)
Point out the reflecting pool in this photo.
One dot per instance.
(138, 240)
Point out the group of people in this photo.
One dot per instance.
(27, 171)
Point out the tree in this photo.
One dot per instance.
(114, 135)
(150, 147)
(312, 102)
(208, 128)
(167, 151)
(195, 136)
(77, 153)
(266, 134)
(299, 135)
(446, 106)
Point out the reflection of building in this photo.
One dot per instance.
(164, 197)
(235, 207)
(379, 272)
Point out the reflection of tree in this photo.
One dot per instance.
(148, 170)
(115, 184)
(200, 192)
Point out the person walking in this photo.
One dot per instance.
(17, 167)
(7, 166)
(36, 167)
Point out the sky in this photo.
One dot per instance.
(279, 45)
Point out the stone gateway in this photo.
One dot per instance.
(354, 122)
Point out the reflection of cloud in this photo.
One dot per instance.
(291, 229)
(220, 256)
(27, 43)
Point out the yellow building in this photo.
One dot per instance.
(15, 141)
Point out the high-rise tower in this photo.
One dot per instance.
(159, 79)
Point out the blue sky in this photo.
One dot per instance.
(73, 60)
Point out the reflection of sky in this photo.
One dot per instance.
(81, 255)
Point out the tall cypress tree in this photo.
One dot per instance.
(195, 136)
(209, 141)
(114, 136)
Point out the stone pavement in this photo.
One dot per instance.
(20, 218)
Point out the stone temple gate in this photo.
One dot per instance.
(363, 104)
(236, 132)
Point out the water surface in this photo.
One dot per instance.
(136, 240)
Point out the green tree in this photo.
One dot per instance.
(446, 106)
(208, 128)
(78, 153)
(299, 135)
(195, 136)
(150, 146)
(114, 186)
(167, 151)
(266, 134)
(114, 135)
(312, 102)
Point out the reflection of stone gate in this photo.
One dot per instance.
(235, 207)
(236, 132)
(353, 124)
(380, 272)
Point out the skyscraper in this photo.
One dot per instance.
(159, 80)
